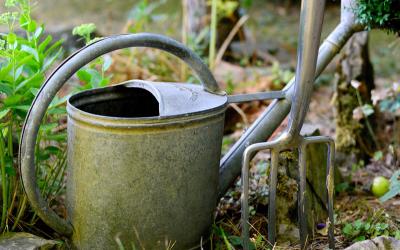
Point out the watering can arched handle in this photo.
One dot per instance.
(58, 78)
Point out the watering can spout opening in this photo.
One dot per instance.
(177, 99)
(138, 99)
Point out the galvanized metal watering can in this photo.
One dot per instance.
(143, 157)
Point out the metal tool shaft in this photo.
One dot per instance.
(311, 20)
(276, 112)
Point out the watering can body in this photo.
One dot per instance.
(143, 164)
(143, 158)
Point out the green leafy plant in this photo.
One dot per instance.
(92, 75)
(382, 14)
(371, 227)
(24, 61)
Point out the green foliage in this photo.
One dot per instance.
(94, 74)
(85, 31)
(369, 228)
(225, 8)
(24, 61)
(143, 14)
(382, 14)
(280, 76)
(222, 239)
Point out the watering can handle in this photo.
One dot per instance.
(58, 78)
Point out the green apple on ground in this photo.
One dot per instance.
(380, 186)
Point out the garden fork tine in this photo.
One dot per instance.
(330, 144)
(311, 18)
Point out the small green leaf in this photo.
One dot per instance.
(378, 155)
(11, 38)
(31, 51)
(23, 22)
(235, 240)
(52, 149)
(45, 42)
(34, 91)
(12, 100)
(358, 224)
(6, 89)
(57, 111)
(11, 171)
(22, 107)
(84, 75)
(397, 234)
(360, 238)
(38, 77)
(347, 229)
(48, 126)
(32, 26)
(4, 112)
(51, 59)
(341, 187)
(56, 137)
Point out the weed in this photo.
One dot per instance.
(372, 227)
(92, 75)
(24, 61)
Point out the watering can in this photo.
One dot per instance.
(143, 157)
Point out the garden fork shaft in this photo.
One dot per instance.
(311, 19)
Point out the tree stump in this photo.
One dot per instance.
(352, 136)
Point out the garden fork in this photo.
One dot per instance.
(311, 19)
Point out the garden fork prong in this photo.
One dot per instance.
(330, 184)
(301, 194)
(273, 182)
(330, 144)
(247, 155)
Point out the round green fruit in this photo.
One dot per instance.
(380, 186)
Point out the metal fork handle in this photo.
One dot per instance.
(311, 19)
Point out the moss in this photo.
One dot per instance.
(347, 129)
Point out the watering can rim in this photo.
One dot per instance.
(192, 113)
